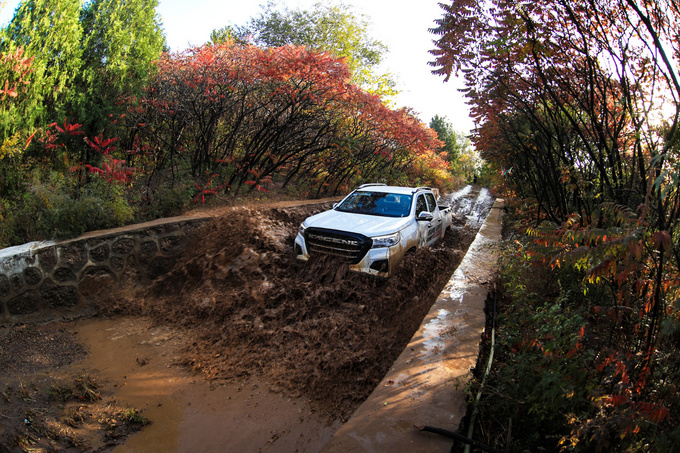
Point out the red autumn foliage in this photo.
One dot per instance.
(285, 112)
(19, 67)
(207, 189)
(113, 170)
(566, 95)
(102, 145)
(69, 129)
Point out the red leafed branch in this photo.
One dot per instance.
(102, 145)
(207, 189)
(19, 67)
(69, 129)
(113, 171)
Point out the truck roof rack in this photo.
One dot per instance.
(372, 184)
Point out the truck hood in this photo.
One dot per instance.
(368, 225)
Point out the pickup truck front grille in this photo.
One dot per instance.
(351, 246)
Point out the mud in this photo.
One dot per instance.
(240, 311)
(47, 404)
(310, 329)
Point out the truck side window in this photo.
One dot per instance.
(421, 205)
(431, 202)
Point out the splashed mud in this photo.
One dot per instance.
(313, 329)
(239, 310)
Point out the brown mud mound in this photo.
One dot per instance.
(313, 329)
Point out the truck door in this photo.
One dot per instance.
(435, 227)
(423, 226)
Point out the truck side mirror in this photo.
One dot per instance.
(425, 217)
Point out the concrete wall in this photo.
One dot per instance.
(426, 384)
(42, 281)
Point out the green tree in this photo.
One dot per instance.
(121, 40)
(50, 32)
(329, 28)
(456, 144)
(228, 33)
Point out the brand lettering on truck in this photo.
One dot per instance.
(334, 240)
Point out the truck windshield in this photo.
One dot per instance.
(377, 203)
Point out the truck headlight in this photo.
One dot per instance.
(302, 229)
(386, 241)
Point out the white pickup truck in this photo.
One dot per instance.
(374, 227)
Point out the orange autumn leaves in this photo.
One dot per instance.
(241, 110)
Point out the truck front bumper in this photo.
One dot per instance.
(379, 261)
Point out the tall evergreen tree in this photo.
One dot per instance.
(121, 40)
(50, 32)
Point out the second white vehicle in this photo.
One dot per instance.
(374, 227)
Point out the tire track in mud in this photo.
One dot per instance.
(310, 329)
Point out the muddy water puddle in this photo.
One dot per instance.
(188, 413)
(305, 330)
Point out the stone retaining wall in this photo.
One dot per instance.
(49, 280)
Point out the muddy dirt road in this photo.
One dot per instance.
(238, 346)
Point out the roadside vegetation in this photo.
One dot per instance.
(576, 107)
(576, 104)
(101, 125)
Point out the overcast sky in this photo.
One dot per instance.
(399, 24)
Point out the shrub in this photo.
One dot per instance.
(54, 207)
(568, 372)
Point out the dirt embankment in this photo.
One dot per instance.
(314, 329)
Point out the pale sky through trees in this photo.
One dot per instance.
(402, 25)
